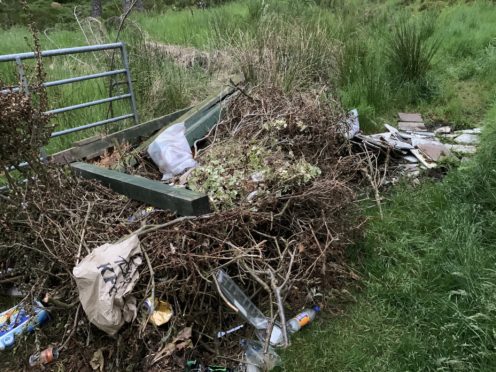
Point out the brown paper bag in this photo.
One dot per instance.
(104, 279)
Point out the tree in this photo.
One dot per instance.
(96, 8)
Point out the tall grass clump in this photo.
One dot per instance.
(256, 9)
(290, 55)
(364, 82)
(411, 52)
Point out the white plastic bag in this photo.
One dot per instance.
(352, 126)
(171, 152)
(105, 279)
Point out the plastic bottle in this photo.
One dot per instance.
(44, 357)
(256, 359)
(293, 325)
(302, 319)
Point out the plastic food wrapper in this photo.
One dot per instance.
(105, 278)
(18, 320)
(170, 151)
(160, 311)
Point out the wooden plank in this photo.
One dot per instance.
(95, 146)
(198, 129)
(196, 114)
(85, 141)
(182, 201)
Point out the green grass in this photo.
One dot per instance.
(430, 279)
(194, 27)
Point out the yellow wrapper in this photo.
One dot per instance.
(162, 313)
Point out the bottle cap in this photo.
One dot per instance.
(316, 308)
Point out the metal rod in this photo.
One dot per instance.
(59, 52)
(87, 104)
(87, 126)
(22, 75)
(72, 80)
(125, 62)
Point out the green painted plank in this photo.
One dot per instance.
(95, 146)
(199, 129)
(182, 201)
(196, 113)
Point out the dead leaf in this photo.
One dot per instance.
(180, 342)
(184, 345)
(184, 334)
(97, 362)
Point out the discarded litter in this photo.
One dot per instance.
(352, 124)
(170, 151)
(105, 279)
(141, 214)
(410, 117)
(302, 319)
(160, 311)
(18, 320)
(46, 356)
(241, 302)
(411, 127)
(443, 130)
(467, 139)
(237, 299)
(256, 359)
(415, 148)
(197, 366)
(229, 331)
(462, 149)
(293, 325)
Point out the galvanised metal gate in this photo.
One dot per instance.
(17, 58)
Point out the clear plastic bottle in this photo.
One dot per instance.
(256, 359)
(302, 319)
(292, 326)
(44, 357)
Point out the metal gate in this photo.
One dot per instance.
(17, 58)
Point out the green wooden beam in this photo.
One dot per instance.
(196, 114)
(96, 146)
(199, 128)
(182, 201)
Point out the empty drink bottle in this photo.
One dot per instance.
(302, 319)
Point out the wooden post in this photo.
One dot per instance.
(182, 201)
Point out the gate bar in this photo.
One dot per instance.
(59, 52)
(87, 126)
(71, 80)
(87, 104)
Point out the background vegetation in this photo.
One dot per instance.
(428, 266)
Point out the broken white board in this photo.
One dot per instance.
(425, 162)
(467, 139)
(410, 117)
(462, 149)
(411, 126)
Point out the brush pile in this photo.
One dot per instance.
(282, 182)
